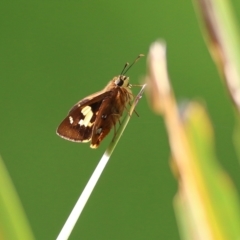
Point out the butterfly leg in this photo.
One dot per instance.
(133, 110)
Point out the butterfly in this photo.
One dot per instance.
(93, 117)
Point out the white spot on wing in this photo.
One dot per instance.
(93, 146)
(81, 122)
(86, 121)
(70, 119)
(86, 110)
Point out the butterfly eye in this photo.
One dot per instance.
(119, 82)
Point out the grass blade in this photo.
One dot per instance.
(77, 210)
(13, 221)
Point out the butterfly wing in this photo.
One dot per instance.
(78, 125)
(109, 113)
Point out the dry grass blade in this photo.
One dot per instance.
(222, 37)
(207, 205)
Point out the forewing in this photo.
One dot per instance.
(78, 125)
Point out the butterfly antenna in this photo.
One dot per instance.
(126, 65)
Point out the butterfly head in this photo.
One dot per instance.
(122, 81)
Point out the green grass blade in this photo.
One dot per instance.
(13, 222)
(216, 194)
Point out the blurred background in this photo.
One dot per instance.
(54, 53)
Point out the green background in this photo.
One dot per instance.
(54, 53)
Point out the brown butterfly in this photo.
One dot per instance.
(92, 118)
